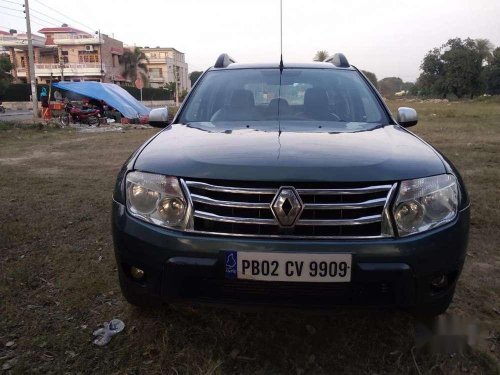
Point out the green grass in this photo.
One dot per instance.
(58, 277)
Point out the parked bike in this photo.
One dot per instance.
(82, 116)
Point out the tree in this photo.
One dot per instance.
(430, 82)
(5, 67)
(170, 89)
(193, 76)
(321, 55)
(455, 68)
(463, 64)
(409, 87)
(390, 85)
(485, 48)
(492, 74)
(135, 65)
(372, 77)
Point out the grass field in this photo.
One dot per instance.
(58, 278)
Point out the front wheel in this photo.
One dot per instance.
(64, 119)
(93, 121)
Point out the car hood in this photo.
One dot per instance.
(205, 151)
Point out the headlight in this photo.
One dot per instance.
(425, 203)
(157, 199)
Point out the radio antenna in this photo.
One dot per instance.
(281, 36)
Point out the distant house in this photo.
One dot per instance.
(167, 65)
(67, 54)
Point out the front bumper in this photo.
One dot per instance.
(386, 272)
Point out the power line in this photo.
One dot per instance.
(15, 10)
(42, 20)
(46, 15)
(12, 2)
(64, 15)
(12, 15)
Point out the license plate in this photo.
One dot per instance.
(322, 268)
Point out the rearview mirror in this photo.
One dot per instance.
(158, 117)
(407, 117)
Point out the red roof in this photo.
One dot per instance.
(68, 29)
(4, 33)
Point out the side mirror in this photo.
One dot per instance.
(158, 117)
(407, 117)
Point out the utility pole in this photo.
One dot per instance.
(100, 55)
(176, 76)
(31, 62)
(61, 63)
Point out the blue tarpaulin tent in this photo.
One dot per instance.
(112, 94)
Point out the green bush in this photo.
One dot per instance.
(148, 93)
(21, 92)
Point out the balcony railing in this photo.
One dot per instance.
(77, 39)
(80, 69)
(70, 66)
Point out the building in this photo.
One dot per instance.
(167, 65)
(67, 54)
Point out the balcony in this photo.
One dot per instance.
(156, 79)
(79, 70)
(21, 41)
(77, 40)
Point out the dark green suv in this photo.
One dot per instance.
(289, 185)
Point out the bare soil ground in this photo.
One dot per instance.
(58, 278)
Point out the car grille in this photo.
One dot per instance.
(330, 210)
(285, 293)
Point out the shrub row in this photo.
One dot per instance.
(21, 92)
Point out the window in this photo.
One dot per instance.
(88, 56)
(339, 97)
(64, 55)
(155, 73)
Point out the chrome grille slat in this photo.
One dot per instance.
(217, 202)
(232, 219)
(330, 210)
(345, 206)
(358, 221)
(243, 220)
(227, 189)
(371, 189)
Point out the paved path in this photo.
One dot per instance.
(10, 115)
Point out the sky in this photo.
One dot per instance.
(389, 37)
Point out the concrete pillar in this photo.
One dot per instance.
(13, 61)
(27, 64)
(37, 54)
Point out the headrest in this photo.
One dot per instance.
(316, 98)
(242, 99)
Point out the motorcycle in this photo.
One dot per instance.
(2, 108)
(82, 116)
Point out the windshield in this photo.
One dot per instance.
(338, 97)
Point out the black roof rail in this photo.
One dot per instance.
(223, 61)
(339, 60)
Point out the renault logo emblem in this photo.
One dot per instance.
(287, 206)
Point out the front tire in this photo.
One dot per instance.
(93, 121)
(64, 119)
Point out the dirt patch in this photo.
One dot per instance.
(38, 154)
